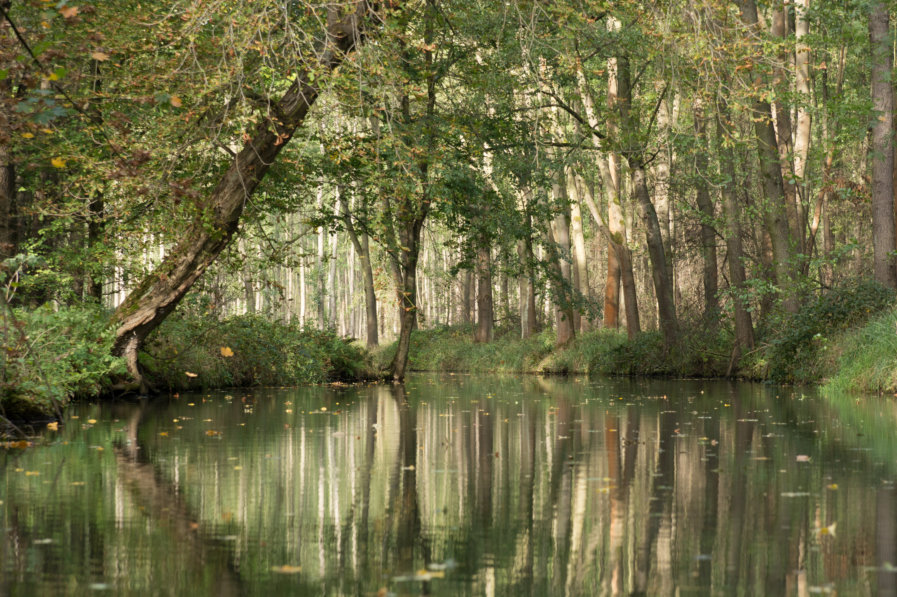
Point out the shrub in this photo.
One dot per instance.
(190, 351)
(50, 356)
(793, 353)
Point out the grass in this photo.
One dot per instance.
(864, 359)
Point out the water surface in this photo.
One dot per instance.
(457, 485)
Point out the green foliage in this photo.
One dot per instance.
(453, 349)
(792, 355)
(50, 356)
(192, 351)
(865, 358)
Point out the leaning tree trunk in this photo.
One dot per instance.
(362, 248)
(212, 229)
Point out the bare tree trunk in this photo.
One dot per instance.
(8, 244)
(662, 277)
(485, 314)
(362, 248)
(744, 329)
(527, 288)
(218, 218)
(705, 206)
(582, 322)
(466, 295)
(882, 148)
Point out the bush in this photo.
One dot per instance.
(189, 351)
(50, 356)
(793, 354)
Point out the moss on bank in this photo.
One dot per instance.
(52, 356)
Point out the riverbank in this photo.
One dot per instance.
(845, 340)
(50, 357)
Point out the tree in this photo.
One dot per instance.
(213, 228)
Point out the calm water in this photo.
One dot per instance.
(460, 485)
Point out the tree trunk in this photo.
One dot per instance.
(582, 323)
(660, 273)
(527, 289)
(775, 211)
(217, 221)
(882, 148)
(485, 312)
(466, 295)
(705, 206)
(362, 248)
(559, 250)
(8, 228)
(744, 329)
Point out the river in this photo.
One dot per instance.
(456, 484)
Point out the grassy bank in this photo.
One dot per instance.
(51, 356)
(845, 338)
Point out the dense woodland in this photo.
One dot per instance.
(373, 167)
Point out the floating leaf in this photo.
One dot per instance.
(69, 11)
(175, 101)
(226, 351)
(191, 374)
(100, 56)
(54, 426)
(802, 458)
(58, 162)
(28, 135)
(212, 432)
(286, 569)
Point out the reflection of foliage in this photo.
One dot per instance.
(553, 474)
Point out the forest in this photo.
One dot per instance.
(199, 193)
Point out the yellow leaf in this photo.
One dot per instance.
(28, 135)
(191, 374)
(100, 56)
(176, 101)
(58, 162)
(69, 11)
(92, 421)
(212, 433)
(163, 433)
(226, 351)
(286, 569)
(54, 426)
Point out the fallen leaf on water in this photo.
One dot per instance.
(226, 351)
(191, 374)
(832, 487)
(58, 163)
(54, 426)
(829, 530)
(100, 56)
(286, 569)
(802, 458)
(31, 473)
(92, 421)
(175, 101)
(212, 432)
(163, 434)
(69, 11)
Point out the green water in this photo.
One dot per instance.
(460, 485)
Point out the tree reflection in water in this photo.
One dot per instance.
(461, 485)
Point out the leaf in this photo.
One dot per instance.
(212, 432)
(58, 162)
(69, 11)
(226, 352)
(286, 569)
(53, 426)
(191, 374)
(28, 135)
(175, 101)
(100, 56)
